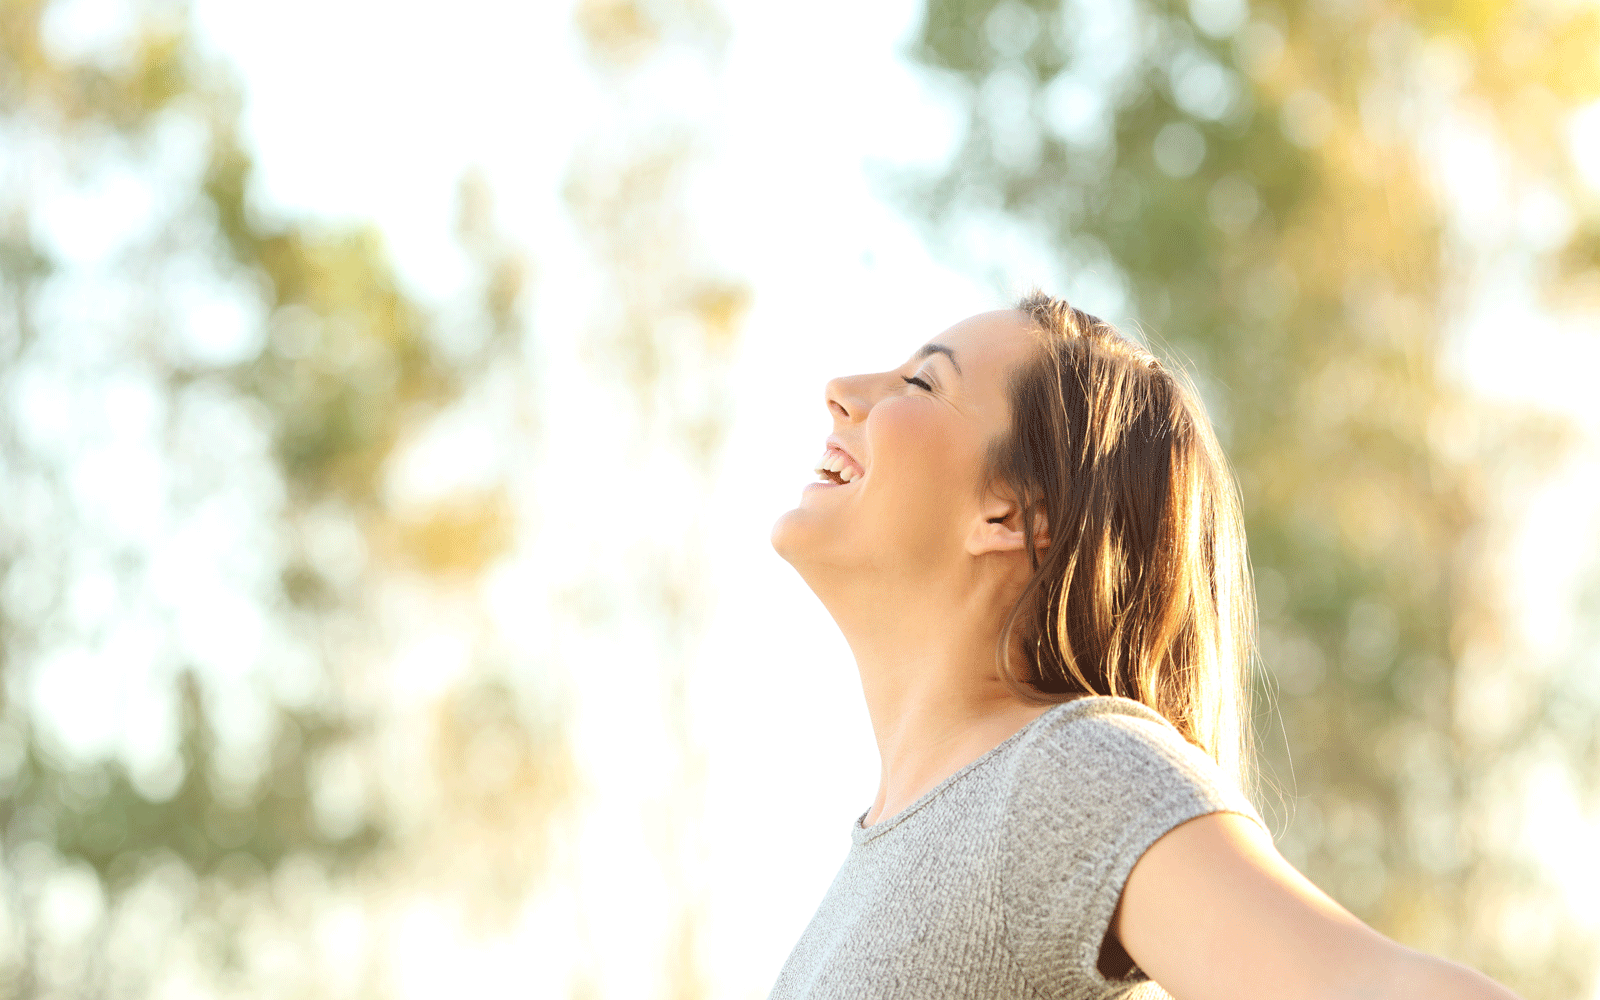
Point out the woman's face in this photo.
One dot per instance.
(898, 486)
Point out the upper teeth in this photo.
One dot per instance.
(835, 461)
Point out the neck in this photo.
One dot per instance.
(926, 654)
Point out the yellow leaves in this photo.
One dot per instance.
(617, 31)
(454, 537)
(623, 33)
(1479, 20)
(158, 73)
(1571, 55)
(1543, 45)
(1579, 266)
(341, 273)
(123, 96)
(507, 280)
(1525, 66)
(498, 779)
(669, 318)
(720, 307)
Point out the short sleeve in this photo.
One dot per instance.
(1092, 792)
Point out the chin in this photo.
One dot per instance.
(785, 533)
(801, 536)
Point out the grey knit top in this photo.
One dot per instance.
(1000, 882)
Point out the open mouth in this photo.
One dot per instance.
(838, 468)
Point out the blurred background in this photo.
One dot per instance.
(395, 400)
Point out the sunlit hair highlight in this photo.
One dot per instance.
(1142, 589)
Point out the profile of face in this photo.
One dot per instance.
(901, 472)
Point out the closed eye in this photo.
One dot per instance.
(913, 380)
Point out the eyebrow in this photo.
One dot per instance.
(929, 350)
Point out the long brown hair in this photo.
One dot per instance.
(1143, 588)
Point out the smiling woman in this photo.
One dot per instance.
(1030, 539)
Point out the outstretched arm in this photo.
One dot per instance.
(1212, 911)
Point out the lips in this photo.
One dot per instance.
(837, 465)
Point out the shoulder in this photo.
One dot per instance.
(1112, 744)
(1092, 785)
(1101, 771)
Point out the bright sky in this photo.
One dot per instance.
(373, 111)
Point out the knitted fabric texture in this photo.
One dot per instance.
(1000, 882)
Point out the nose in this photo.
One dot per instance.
(846, 401)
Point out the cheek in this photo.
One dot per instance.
(929, 460)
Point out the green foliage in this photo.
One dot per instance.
(94, 813)
(346, 370)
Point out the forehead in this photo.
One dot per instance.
(988, 346)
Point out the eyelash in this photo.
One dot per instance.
(917, 381)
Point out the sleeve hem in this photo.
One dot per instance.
(1175, 811)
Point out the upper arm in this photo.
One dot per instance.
(1212, 910)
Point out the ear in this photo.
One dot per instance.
(999, 527)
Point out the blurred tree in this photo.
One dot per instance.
(666, 333)
(201, 411)
(1257, 184)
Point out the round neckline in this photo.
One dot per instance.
(861, 834)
